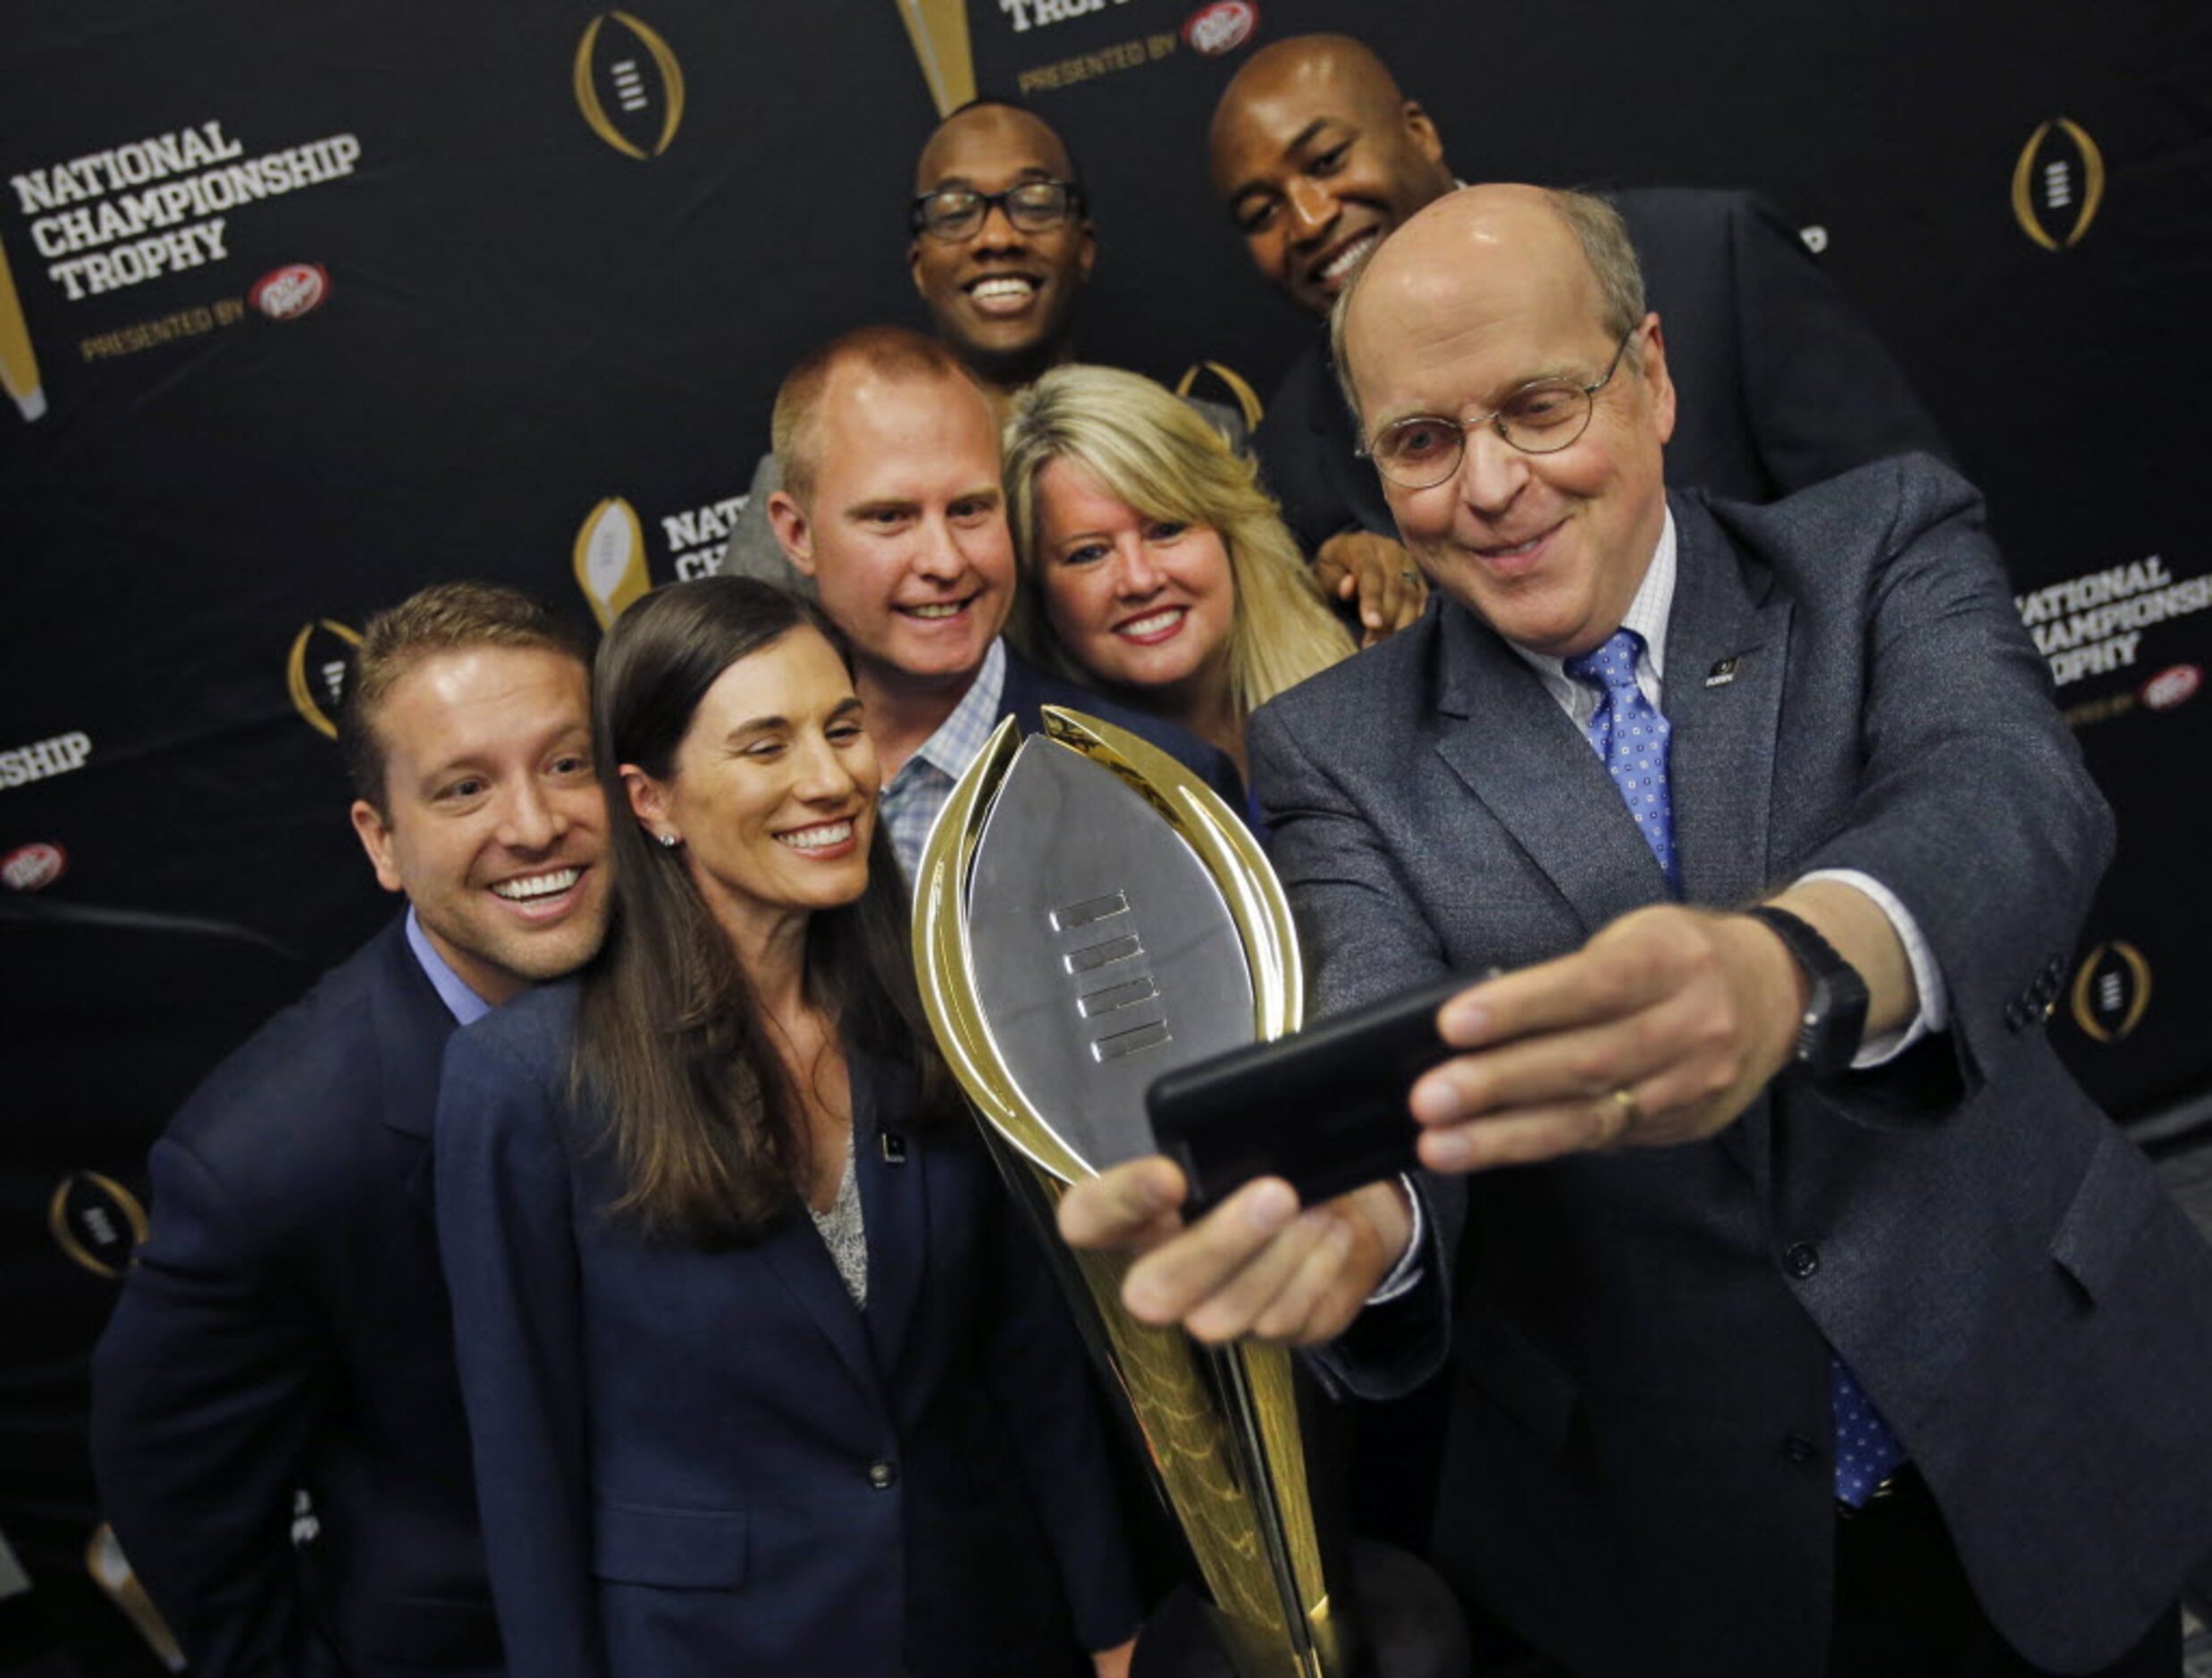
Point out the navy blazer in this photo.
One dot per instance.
(1640, 1478)
(285, 1329)
(1028, 688)
(1779, 384)
(709, 1463)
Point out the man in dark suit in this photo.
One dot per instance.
(276, 1423)
(1822, 1324)
(1317, 154)
(891, 502)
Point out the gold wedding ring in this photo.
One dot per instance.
(1631, 1114)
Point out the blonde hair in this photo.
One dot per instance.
(1151, 450)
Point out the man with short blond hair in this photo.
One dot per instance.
(277, 1425)
(901, 525)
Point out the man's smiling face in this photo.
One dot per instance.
(493, 822)
(1483, 294)
(1003, 299)
(1317, 156)
(904, 530)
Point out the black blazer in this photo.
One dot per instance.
(285, 1329)
(699, 1463)
(1028, 688)
(1640, 1478)
(1779, 384)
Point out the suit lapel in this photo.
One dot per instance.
(411, 1025)
(1727, 656)
(893, 1169)
(1522, 756)
(795, 1253)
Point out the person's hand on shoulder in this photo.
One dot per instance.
(1255, 1267)
(1376, 572)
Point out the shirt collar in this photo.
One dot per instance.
(464, 1004)
(1647, 615)
(961, 735)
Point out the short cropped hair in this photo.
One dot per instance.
(1603, 236)
(890, 352)
(444, 617)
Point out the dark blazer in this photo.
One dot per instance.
(1028, 688)
(710, 1462)
(1778, 383)
(285, 1329)
(1640, 1479)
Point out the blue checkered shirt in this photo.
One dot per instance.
(917, 793)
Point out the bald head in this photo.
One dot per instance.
(1517, 226)
(1525, 431)
(1317, 153)
(1002, 297)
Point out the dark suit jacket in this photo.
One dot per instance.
(710, 1462)
(285, 1327)
(1780, 385)
(1028, 688)
(1640, 1479)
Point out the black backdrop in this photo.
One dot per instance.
(324, 304)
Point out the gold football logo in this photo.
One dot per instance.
(96, 1222)
(2112, 992)
(2057, 184)
(329, 662)
(1239, 387)
(18, 367)
(611, 559)
(939, 29)
(623, 77)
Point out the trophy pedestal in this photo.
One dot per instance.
(1410, 1626)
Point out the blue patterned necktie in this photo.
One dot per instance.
(1630, 737)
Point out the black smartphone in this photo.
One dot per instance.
(1324, 1108)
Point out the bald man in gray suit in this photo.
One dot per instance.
(1806, 1317)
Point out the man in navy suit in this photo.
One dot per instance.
(1805, 1317)
(891, 502)
(276, 1421)
(1317, 154)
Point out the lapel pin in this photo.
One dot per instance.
(894, 1148)
(1721, 673)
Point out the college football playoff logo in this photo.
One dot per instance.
(315, 673)
(2057, 184)
(628, 85)
(2112, 992)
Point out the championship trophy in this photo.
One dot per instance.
(1088, 916)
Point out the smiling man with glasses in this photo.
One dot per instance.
(1000, 247)
(1805, 1319)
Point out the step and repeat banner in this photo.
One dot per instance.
(302, 308)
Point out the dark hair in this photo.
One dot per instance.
(703, 1118)
(444, 617)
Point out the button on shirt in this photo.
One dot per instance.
(1648, 615)
(917, 794)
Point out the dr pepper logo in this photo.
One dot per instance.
(1221, 28)
(33, 868)
(287, 293)
(2171, 686)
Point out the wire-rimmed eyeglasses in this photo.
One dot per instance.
(1540, 418)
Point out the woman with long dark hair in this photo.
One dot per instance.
(761, 1374)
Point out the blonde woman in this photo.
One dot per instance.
(1156, 569)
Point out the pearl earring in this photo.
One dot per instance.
(667, 840)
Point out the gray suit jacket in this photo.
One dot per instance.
(1639, 1478)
